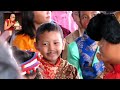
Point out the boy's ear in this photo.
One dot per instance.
(63, 46)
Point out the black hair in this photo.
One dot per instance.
(48, 27)
(20, 55)
(104, 26)
(110, 12)
(28, 26)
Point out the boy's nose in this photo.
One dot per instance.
(51, 47)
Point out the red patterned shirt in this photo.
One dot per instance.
(61, 70)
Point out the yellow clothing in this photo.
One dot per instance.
(24, 42)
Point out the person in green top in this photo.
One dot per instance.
(82, 51)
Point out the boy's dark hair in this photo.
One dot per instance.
(28, 27)
(104, 26)
(48, 27)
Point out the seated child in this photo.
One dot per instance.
(28, 63)
(105, 28)
(50, 42)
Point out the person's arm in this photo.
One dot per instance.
(73, 56)
(24, 42)
(6, 27)
(5, 35)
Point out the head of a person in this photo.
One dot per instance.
(85, 17)
(50, 41)
(27, 61)
(42, 16)
(105, 28)
(32, 19)
(9, 68)
(12, 17)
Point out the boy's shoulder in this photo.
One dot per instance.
(68, 70)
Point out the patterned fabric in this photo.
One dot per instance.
(61, 70)
(87, 49)
(30, 65)
(115, 74)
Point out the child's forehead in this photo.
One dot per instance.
(51, 32)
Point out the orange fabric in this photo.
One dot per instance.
(24, 42)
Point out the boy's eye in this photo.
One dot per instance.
(45, 44)
(56, 43)
(84, 17)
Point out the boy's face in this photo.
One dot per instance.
(42, 16)
(50, 45)
(85, 17)
(109, 52)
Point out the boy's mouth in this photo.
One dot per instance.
(51, 54)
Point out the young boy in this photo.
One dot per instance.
(105, 28)
(50, 42)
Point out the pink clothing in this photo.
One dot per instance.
(64, 19)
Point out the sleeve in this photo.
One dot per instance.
(73, 56)
(77, 76)
(20, 43)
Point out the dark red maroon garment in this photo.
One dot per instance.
(65, 31)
